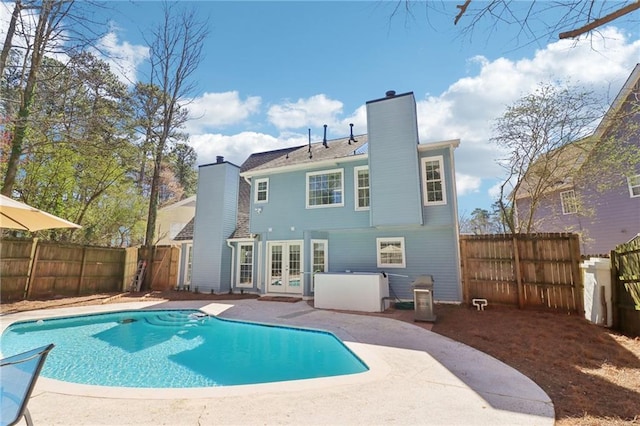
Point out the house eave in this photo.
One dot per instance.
(331, 162)
(454, 143)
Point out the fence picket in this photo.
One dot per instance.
(527, 270)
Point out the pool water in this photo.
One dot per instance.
(178, 349)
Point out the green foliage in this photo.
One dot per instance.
(79, 159)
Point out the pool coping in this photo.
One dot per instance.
(415, 377)
(377, 368)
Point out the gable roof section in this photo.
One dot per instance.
(572, 156)
(187, 202)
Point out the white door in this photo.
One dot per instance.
(284, 267)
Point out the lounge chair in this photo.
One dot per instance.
(18, 376)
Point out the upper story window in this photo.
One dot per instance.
(325, 188)
(361, 179)
(433, 184)
(634, 186)
(391, 252)
(262, 191)
(569, 202)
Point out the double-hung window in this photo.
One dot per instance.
(262, 191)
(325, 188)
(433, 184)
(361, 179)
(634, 186)
(391, 252)
(569, 202)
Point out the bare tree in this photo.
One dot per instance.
(544, 135)
(175, 54)
(537, 19)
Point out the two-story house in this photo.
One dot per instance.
(374, 202)
(595, 190)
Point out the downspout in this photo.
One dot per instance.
(233, 260)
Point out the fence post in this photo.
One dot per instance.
(465, 269)
(82, 267)
(33, 260)
(578, 288)
(615, 320)
(516, 258)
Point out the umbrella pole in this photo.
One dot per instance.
(33, 261)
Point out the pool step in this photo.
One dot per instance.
(177, 319)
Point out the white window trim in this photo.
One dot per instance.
(425, 198)
(402, 247)
(238, 283)
(324, 172)
(356, 188)
(326, 259)
(255, 195)
(631, 194)
(575, 201)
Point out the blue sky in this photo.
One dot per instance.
(273, 70)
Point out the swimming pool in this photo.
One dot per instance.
(179, 349)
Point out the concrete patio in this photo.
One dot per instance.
(416, 377)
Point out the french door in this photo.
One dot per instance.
(284, 268)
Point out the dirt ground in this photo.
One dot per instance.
(591, 374)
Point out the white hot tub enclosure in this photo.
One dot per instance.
(354, 291)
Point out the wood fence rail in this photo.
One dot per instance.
(525, 270)
(34, 269)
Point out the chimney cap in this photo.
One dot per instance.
(390, 93)
(219, 159)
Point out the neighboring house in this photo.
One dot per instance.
(366, 203)
(597, 201)
(173, 218)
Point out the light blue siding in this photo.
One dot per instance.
(287, 206)
(216, 215)
(393, 161)
(440, 215)
(429, 251)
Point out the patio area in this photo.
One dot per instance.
(415, 377)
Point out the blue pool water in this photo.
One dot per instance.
(178, 349)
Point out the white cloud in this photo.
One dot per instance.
(468, 108)
(314, 111)
(215, 110)
(123, 58)
(236, 148)
(466, 184)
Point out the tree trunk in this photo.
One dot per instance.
(9, 37)
(19, 133)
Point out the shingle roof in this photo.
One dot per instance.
(186, 233)
(315, 152)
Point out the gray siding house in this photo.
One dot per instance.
(374, 202)
(592, 198)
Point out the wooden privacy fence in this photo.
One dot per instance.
(625, 281)
(162, 274)
(34, 269)
(524, 270)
